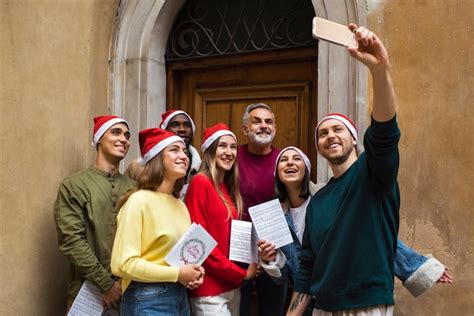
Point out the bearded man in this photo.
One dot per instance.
(256, 166)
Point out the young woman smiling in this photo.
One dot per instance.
(214, 200)
(150, 222)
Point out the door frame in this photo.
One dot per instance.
(137, 77)
(295, 89)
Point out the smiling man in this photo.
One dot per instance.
(256, 166)
(257, 157)
(181, 124)
(85, 211)
(350, 240)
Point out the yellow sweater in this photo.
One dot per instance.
(148, 226)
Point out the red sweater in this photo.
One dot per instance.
(206, 208)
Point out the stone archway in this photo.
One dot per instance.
(137, 83)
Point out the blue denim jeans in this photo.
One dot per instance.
(158, 299)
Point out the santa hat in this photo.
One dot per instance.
(341, 118)
(168, 115)
(153, 141)
(306, 161)
(102, 124)
(211, 134)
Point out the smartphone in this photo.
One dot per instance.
(333, 32)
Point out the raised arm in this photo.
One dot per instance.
(372, 53)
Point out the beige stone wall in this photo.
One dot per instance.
(53, 79)
(430, 43)
(53, 66)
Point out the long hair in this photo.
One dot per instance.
(280, 189)
(151, 178)
(231, 178)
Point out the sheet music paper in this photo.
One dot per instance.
(270, 223)
(88, 301)
(243, 242)
(254, 247)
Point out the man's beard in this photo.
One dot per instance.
(262, 139)
(339, 160)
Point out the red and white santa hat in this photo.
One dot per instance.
(102, 124)
(153, 141)
(168, 115)
(211, 134)
(306, 160)
(341, 118)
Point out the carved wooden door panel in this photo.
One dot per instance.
(218, 90)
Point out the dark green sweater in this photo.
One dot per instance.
(351, 229)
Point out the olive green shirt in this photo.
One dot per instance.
(85, 214)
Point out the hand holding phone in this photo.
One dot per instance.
(333, 32)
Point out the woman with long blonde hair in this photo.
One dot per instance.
(214, 200)
(151, 220)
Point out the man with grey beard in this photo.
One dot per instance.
(256, 161)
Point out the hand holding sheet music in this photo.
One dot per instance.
(88, 301)
(270, 223)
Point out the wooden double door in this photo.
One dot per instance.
(218, 89)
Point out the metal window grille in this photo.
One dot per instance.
(222, 27)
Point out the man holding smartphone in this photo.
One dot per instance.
(350, 241)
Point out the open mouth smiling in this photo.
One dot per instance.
(290, 171)
(333, 145)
